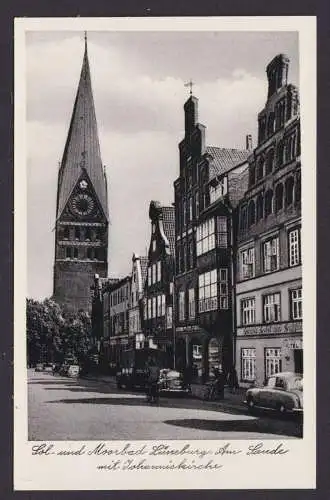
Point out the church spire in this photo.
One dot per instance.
(82, 149)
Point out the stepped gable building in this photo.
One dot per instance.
(139, 273)
(158, 290)
(81, 229)
(210, 184)
(115, 299)
(269, 283)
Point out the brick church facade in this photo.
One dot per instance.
(81, 229)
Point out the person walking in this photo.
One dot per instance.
(153, 373)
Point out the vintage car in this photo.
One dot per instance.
(171, 381)
(283, 392)
(48, 367)
(39, 367)
(73, 371)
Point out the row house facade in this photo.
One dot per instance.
(139, 272)
(207, 191)
(269, 274)
(115, 301)
(158, 289)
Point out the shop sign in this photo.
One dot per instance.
(274, 329)
(187, 329)
(294, 344)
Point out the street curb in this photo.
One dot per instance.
(217, 405)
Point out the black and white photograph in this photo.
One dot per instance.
(164, 240)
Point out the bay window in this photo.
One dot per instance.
(205, 237)
(207, 286)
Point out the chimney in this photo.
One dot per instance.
(249, 146)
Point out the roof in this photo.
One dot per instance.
(82, 148)
(168, 217)
(224, 159)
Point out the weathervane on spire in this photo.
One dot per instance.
(190, 84)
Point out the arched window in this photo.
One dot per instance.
(298, 189)
(280, 153)
(268, 202)
(260, 168)
(77, 233)
(278, 197)
(252, 175)
(289, 186)
(270, 161)
(252, 213)
(260, 207)
(271, 123)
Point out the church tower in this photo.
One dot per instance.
(81, 229)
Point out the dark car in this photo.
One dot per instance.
(283, 392)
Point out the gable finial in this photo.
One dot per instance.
(190, 84)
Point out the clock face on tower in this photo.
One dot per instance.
(82, 204)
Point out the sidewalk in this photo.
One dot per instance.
(231, 402)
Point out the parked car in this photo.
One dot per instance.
(283, 392)
(48, 367)
(73, 371)
(171, 381)
(39, 367)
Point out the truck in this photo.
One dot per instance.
(132, 369)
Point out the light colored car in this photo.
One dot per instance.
(39, 367)
(171, 381)
(73, 371)
(283, 392)
(48, 367)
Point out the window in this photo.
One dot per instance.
(260, 168)
(294, 247)
(159, 305)
(273, 361)
(252, 213)
(248, 311)
(68, 253)
(149, 276)
(223, 283)
(252, 175)
(154, 276)
(181, 306)
(190, 254)
(289, 187)
(190, 209)
(205, 236)
(163, 305)
(296, 303)
(66, 233)
(184, 218)
(244, 218)
(159, 271)
(153, 228)
(191, 300)
(153, 245)
(218, 190)
(149, 308)
(75, 253)
(270, 161)
(88, 235)
(270, 123)
(89, 253)
(222, 234)
(154, 305)
(171, 288)
(272, 309)
(280, 153)
(248, 364)
(77, 233)
(247, 264)
(278, 197)
(169, 316)
(268, 202)
(207, 284)
(196, 205)
(271, 255)
(260, 207)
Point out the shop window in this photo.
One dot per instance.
(248, 364)
(248, 311)
(273, 362)
(296, 304)
(272, 308)
(279, 197)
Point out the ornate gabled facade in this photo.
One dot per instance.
(158, 289)
(139, 273)
(269, 284)
(81, 229)
(210, 184)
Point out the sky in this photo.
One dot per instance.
(138, 85)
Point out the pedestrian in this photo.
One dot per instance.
(187, 377)
(153, 373)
